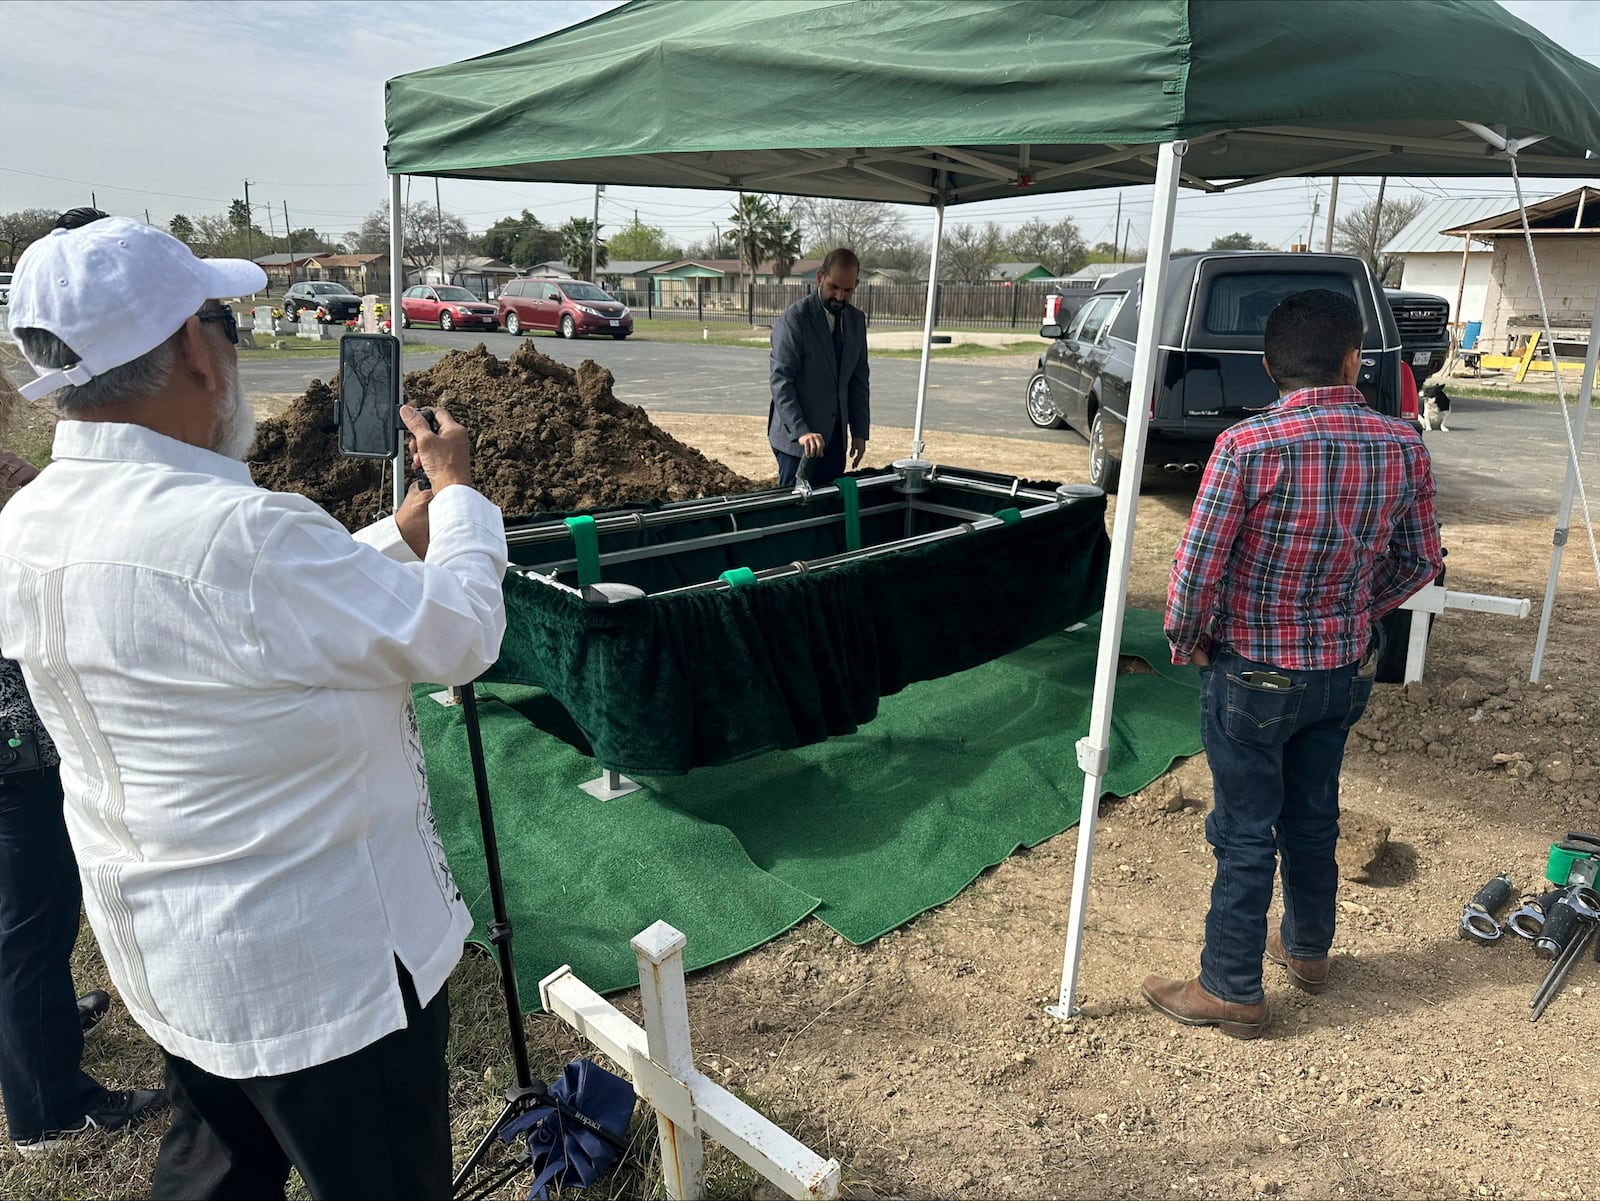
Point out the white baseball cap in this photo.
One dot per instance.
(114, 290)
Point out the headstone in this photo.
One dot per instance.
(261, 319)
(369, 314)
(315, 330)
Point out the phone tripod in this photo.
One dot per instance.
(525, 1093)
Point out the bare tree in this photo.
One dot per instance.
(424, 232)
(970, 252)
(1353, 233)
(864, 226)
(1059, 247)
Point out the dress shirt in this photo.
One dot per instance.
(1313, 520)
(227, 672)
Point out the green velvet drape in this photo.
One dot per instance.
(662, 685)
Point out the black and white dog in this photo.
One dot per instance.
(1435, 408)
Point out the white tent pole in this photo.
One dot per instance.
(1564, 515)
(927, 326)
(397, 285)
(1094, 749)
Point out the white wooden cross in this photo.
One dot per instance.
(689, 1107)
(1432, 600)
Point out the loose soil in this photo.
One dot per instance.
(545, 437)
(925, 1061)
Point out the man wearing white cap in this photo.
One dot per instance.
(226, 673)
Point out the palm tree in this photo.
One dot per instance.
(752, 218)
(783, 243)
(575, 236)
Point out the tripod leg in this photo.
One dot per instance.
(517, 1096)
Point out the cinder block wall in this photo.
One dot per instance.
(1569, 265)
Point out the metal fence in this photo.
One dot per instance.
(983, 306)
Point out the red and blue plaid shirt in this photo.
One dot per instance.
(1313, 520)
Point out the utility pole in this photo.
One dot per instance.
(93, 203)
(1311, 230)
(594, 235)
(1127, 233)
(249, 250)
(1116, 225)
(1377, 216)
(147, 216)
(288, 238)
(1333, 207)
(438, 208)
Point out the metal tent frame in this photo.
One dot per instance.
(922, 172)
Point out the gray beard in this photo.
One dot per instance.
(236, 426)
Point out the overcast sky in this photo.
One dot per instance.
(169, 106)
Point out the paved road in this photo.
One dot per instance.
(1503, 455)
(683, 377)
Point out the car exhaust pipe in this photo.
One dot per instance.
(1182, 468)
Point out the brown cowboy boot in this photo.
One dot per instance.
(1308, 975)
(1187, 1002)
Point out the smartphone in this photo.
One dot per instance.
(1267, 679)
(368, 408)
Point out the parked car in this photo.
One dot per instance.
(1061, 307)
(5, 287)
(1208, 366)
(570, 306)
(446, 306)
(340, 303)
(1424, 324)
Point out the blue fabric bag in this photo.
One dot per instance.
(561, 1149)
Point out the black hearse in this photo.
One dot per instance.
(1208, 366)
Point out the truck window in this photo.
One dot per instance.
(1238, 304)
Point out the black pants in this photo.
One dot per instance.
(41, 1039)
(372, 1126)
(824, 470)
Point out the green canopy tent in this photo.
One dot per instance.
(970, 100)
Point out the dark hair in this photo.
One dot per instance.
(79, 217)
(842, 257)
(1308, 336)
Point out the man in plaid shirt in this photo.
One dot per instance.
(1314, 519)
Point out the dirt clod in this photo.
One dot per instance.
(546, 438)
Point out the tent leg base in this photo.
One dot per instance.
(610, 786)
(1062, 1013)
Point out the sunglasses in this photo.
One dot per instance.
(223, 314)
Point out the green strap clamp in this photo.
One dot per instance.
(586, 546)
(738, 577)
(1009, 516)
(850, 494)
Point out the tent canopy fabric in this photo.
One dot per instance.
(974, 100)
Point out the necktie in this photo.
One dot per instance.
(838, 339)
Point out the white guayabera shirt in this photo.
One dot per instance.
(226, 673)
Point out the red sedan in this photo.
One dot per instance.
(447, 307)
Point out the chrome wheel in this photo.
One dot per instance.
(513, 326)
(1040, 411)
(1103, 469)
(446, 321)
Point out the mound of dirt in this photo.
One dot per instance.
(545, 438)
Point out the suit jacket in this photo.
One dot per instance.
(810, 388)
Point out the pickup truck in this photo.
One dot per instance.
(1208, 366)
(1424, 324)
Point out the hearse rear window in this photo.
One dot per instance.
(1239, 304)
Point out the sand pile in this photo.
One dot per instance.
(545, 437)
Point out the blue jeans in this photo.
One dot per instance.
(41, 1037)
(1275, 754)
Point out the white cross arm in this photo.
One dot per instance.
(694, 1105)
(1434, 599)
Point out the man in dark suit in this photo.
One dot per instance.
(819, 377)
